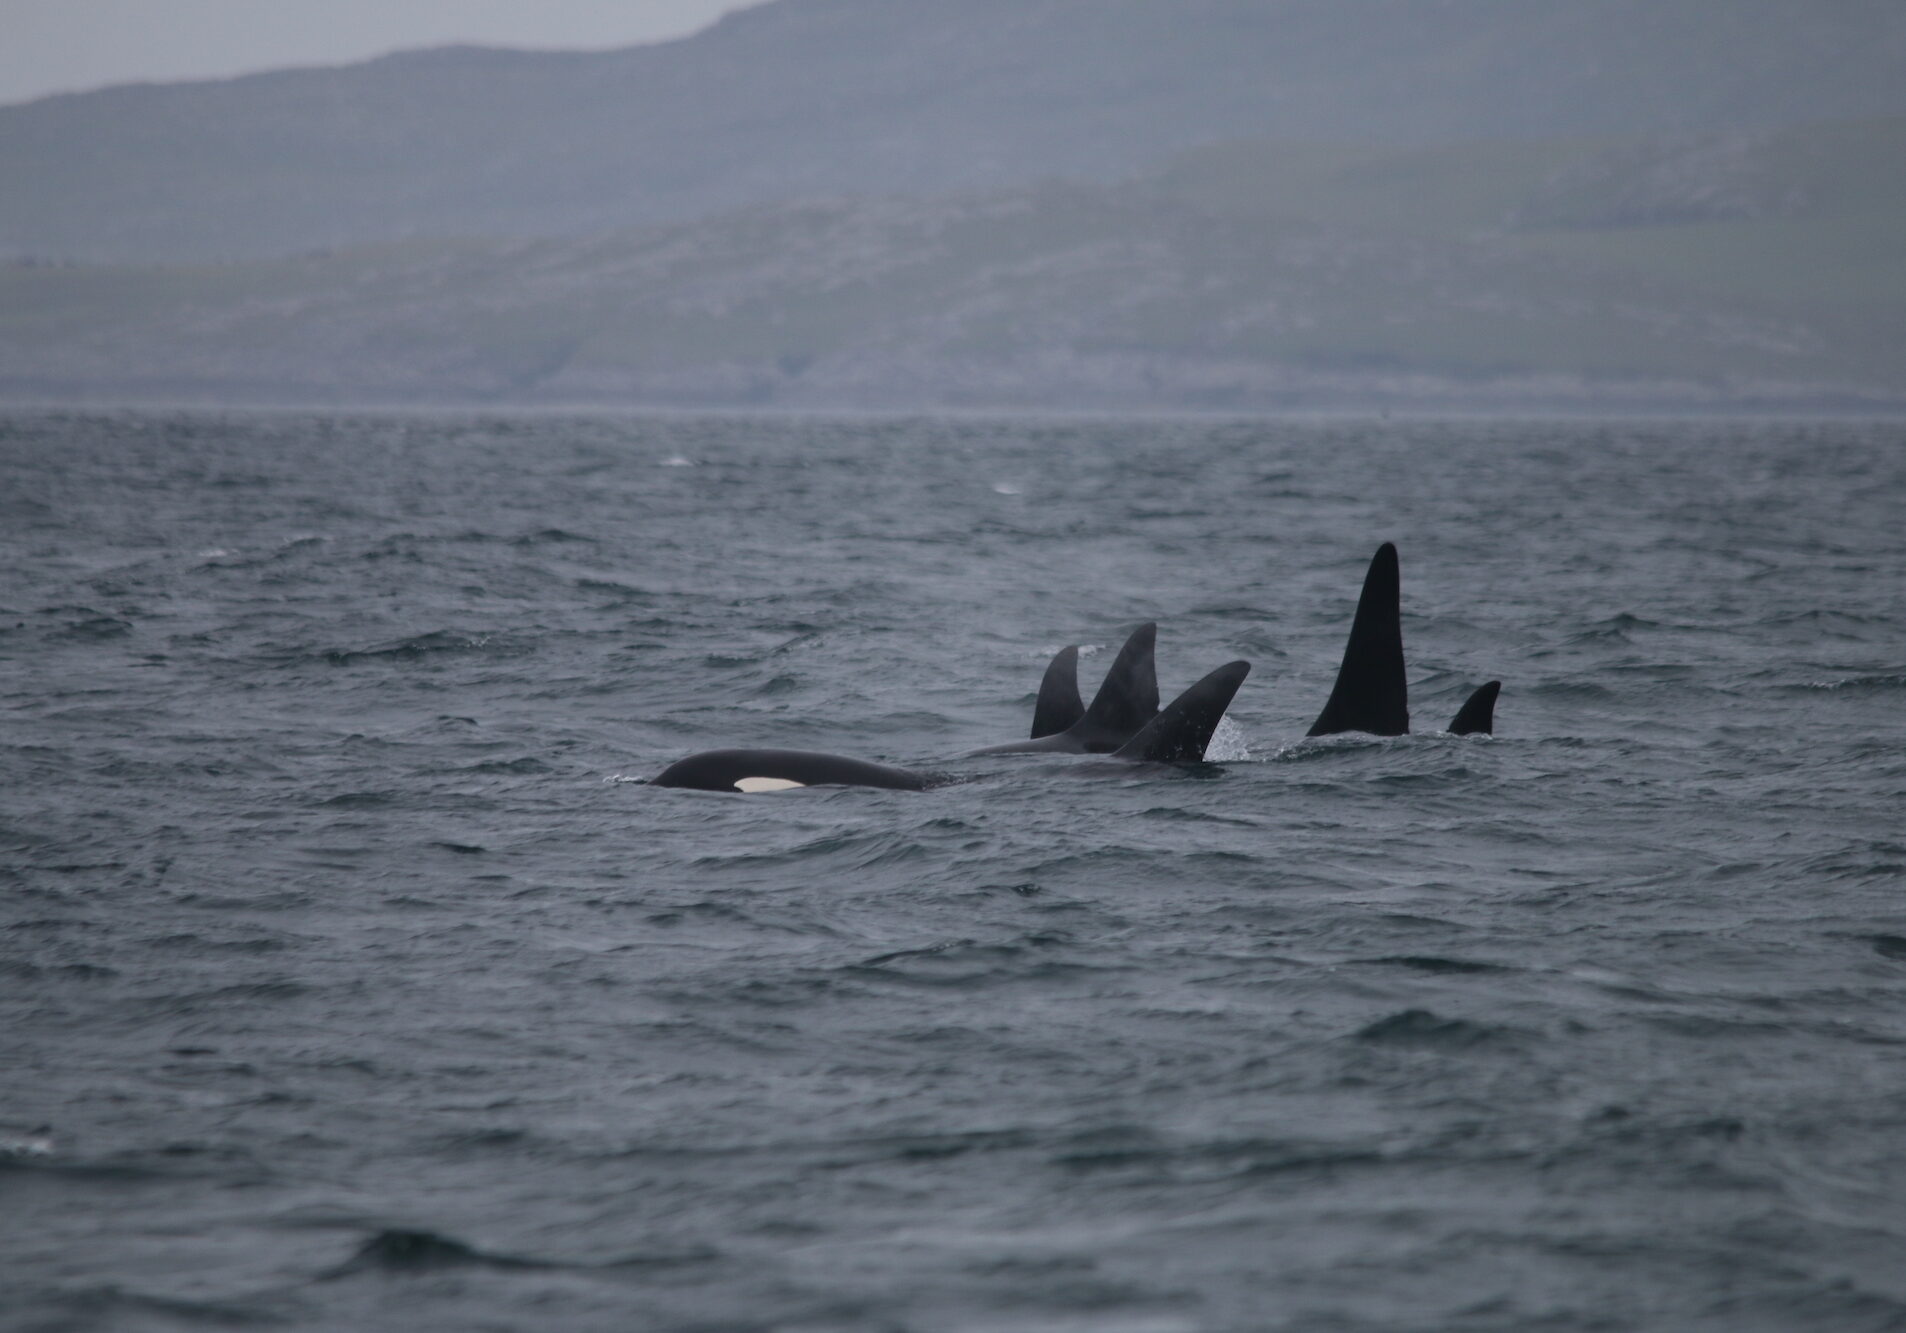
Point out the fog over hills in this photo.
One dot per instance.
(1702, 273)
(823, 97)
(1001, 203)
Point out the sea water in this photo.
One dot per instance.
(351, 977)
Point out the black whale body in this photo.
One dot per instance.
(729, 770)
(1177, 735)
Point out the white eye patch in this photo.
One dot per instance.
(765, 784)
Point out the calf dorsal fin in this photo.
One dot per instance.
(1477, 716)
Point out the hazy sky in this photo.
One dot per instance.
(52, 46)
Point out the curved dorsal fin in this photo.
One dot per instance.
(1127, 699)
(1477, 717)
(1371, 694)
(1059, 705)
(1125, 702)
(1180, 733)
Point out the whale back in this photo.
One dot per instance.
(773, 770)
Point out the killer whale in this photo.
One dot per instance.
(1126, 701)
(775, 770)
(1178, 734)
(1371, 693)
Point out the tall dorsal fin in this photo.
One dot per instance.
(1180, 733)
(1477, 717)
(1371, 694)
(1127, 699)
(1059, 705)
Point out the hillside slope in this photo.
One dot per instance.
(806, 98)
(1702, 272)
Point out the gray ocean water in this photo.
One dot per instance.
(350, 979)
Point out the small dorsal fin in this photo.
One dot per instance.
(1371, 694)
(1127, 699)
(1477, 717)
(1059, 705)
(1180, 733)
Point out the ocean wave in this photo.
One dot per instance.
(341, 934)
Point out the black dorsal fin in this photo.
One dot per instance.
(1180, 733)
(1059, 705)
(1477, 717)
(1127, 699)
(1371, 694)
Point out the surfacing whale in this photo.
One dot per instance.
(1126, 701)
(1177, 735)
(778, 770)
(1371, 694)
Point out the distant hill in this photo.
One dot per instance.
(1730, 271)
(811, 98)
